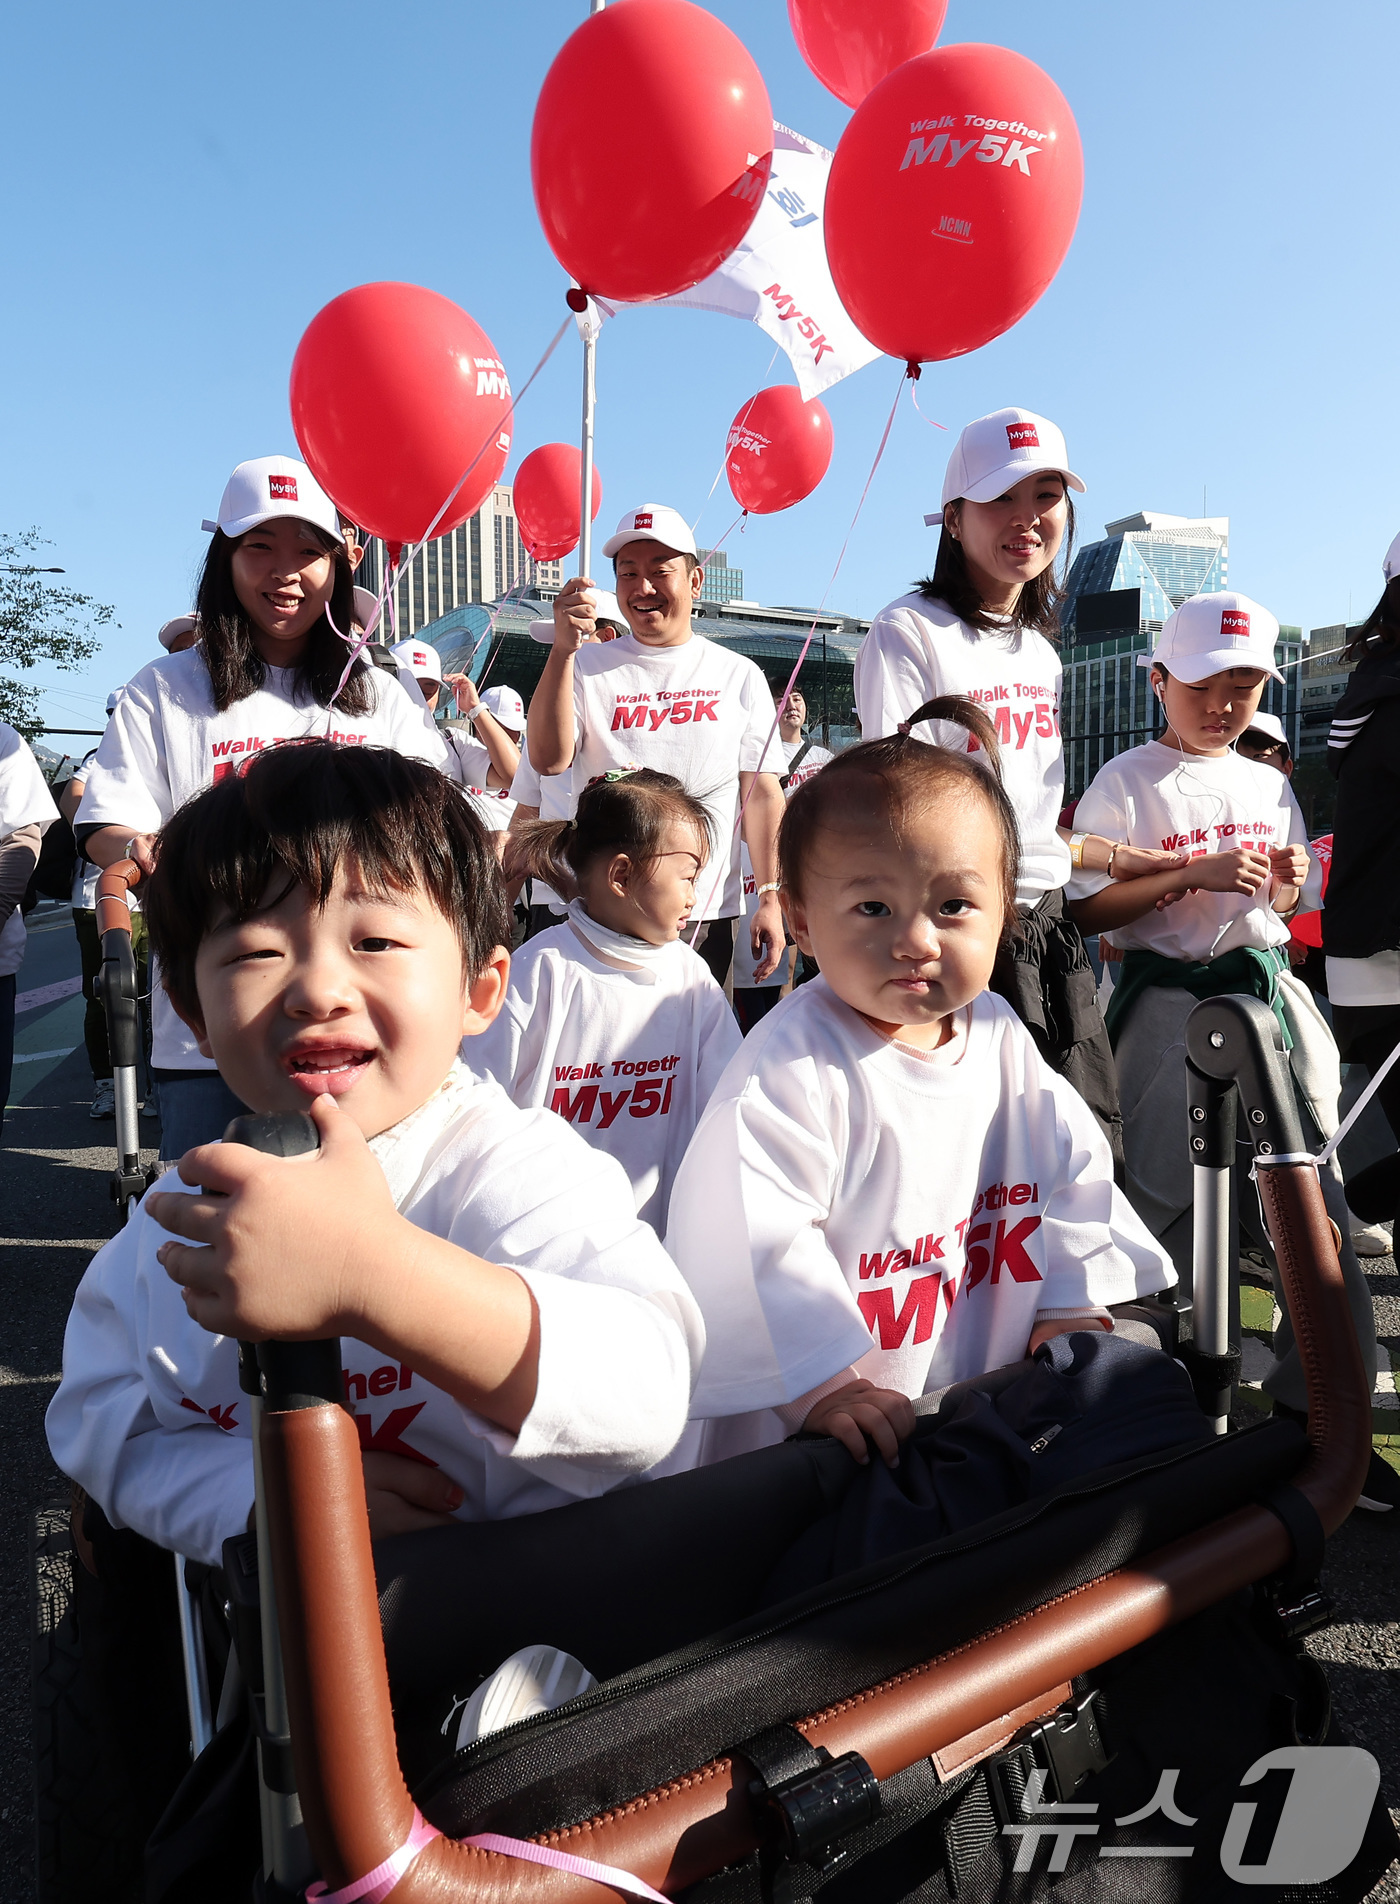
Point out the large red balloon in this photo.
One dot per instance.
(394, 391)
(778, 450)
(852, 44)
(952, 199)
(548, 491)
(651, 147)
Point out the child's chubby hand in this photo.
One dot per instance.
(280, 1247)
(861, 1409)
(405, 1496)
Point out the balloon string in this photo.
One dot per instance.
(388, 586)
(782, 705)
(932, 422)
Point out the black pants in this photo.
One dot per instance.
(1367, 1034)
(1047, 980)
(716, 948)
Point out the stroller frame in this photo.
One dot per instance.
(956, 1708)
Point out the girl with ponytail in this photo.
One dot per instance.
(891, 1189)
(610, 1021)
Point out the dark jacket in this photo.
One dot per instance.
(1361, 913)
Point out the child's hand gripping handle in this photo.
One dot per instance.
(285, 1374)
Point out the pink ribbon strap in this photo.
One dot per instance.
(563, 1861)
(377, 1884)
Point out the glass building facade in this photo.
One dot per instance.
(721, 583)
(1120, 591)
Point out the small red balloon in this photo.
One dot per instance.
(851, 44)
(548, 490)
(778, 450)
(952, 200)
(651, 148)
(394, 391)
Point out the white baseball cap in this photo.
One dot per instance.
(1210, 633)
(1272, 726)
(1391, 565)
(507, 707)
(271, 486)
(172, 631)
(997, 451)
(366, 601)
(605, 608)
(418, 658)
(652, 522)
(113, 698)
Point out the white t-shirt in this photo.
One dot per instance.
(917, 649)
(815, 758)
(552, 797)
(628, 1058)
(698, 711)
(842, 1187)
(149, 1417)
(166, 741)
(1198, 803)
(25, 800)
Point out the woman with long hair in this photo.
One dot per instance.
(983, 625)
(274, 604)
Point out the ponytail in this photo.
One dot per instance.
(617, 813)
(960, 712)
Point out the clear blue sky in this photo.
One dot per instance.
(186, 185)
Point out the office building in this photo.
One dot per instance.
(1325, 674)
(721, 583)
(481, 560)
(1120, 590)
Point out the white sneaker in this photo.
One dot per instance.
(104, 1099)
(1367, 1239)
(534, 1680)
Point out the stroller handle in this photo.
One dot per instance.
(113, 884)
(357, 1807)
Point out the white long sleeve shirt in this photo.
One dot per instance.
(166, 741)
(629, 1058)
(25, 800)
(917, 649)
(1157, 796)
(850, 1202)
(149, 1417)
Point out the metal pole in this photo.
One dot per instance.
(1211, 1239)
(590, 400)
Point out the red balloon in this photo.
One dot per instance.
(778, 450)
(852, 44)
(651, 148)
(952, 199)
(548, 491)
(394, 391)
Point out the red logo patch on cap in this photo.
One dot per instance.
(643, 521)
(1234, 624)
(282, 488)
(1023, 436)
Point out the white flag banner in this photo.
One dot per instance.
(779, 277)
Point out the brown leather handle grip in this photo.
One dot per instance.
(358, 1809)
(113, 884)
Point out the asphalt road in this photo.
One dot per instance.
(55, 1211)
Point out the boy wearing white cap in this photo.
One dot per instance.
(1222, 927)
(664, 697)
(978, 626)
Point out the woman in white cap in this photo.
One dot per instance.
(275, 605)
(982, 625)
(27, 812)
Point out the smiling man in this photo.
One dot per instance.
(665, 697)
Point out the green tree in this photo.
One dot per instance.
(39, 622)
